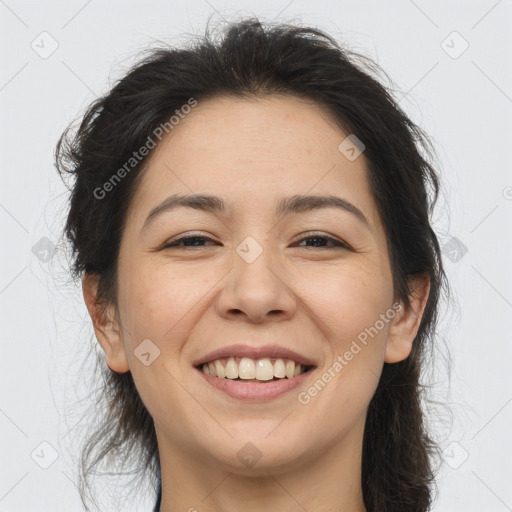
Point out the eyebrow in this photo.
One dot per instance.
(286, 206)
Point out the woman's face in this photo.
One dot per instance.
(253, 279)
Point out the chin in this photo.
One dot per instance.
(259, 455)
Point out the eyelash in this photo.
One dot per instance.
(337, 243)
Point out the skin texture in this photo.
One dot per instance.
(312, 299)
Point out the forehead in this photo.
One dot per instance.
(255, 128)
(260, 149)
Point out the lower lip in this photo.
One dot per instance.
(253, 391)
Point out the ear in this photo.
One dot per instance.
(106, 326)
(406, 323)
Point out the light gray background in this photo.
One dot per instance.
(464, 103)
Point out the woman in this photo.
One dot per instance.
(250, 221)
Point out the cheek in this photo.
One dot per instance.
(348, 305)
(344, 301)
(157, 302)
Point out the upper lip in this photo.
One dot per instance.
(270, 351)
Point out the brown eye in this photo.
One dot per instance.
(188, 241)
(320, 239)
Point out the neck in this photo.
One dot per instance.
(330, 481)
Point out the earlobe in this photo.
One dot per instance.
(406, 323)
(106, 327)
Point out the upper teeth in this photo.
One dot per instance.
(247, 368)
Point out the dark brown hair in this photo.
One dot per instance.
(253, 59)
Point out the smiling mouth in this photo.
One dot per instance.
(248, 370)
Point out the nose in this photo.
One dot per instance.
(257, 291)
